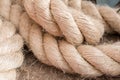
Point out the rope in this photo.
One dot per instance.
(92, 10)
(66, 27)
(75, 21)
(54, 16)
(11, 56)
(64, 19)
(89, 61)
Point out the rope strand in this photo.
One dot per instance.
(69, 54)
(69, 22)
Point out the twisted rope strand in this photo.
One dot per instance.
(53, 53)
(75, 60)
(66, 22)
(72, 57)
(36, 36)
(44, 17)
(109, 49)
(91, 33)
(99, 60)
(87, 60)
(63, 18)
(112, 19)
(11, 56)
(92, 10)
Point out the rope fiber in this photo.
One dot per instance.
(61, 33)
(76, 22)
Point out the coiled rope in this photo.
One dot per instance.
(11, 56)
(76, 21)
(70, 20)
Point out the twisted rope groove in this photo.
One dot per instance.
(92, 10)
(112, 19)
(91, 33)
(11, 56)
(75, 25)
(66, 57)
(72, 23)
(65, 20)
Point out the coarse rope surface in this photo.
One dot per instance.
(11, 43)
(72, 23)
(75, 23)
(67, 20)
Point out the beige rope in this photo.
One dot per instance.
(66, 57)
(41, 11)
(9, 75)
(112, 19)
(11, 56)
(75, 23)
(90, 9)
(62, 17)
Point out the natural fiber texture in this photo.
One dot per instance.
(68, 23)
(71, 24)
(66, 54)
(11, 56)
(113, 18)
(51, 14)
(74, 23)
(66, 57)
(92, 10)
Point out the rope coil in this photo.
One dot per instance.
(72, 21)
(11, 43)
(76, 22)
